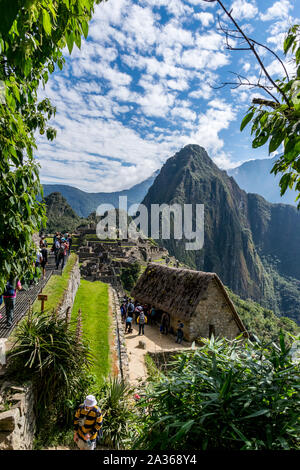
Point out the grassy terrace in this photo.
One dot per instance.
(92, 298)
(56, 286)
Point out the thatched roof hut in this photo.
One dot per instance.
(195, 297)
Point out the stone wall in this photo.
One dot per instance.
(163, 359)
(214, 311)
(119, 334)
(17, 420)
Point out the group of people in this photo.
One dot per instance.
(133, 311)
(61, 248)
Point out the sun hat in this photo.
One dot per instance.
(90, 400)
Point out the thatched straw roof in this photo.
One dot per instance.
(177, 290)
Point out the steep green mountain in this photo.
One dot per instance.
(60, 216)
(84, 203)
(255, 176)
(253, 245)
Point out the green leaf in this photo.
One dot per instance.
(284, 182)
(70, 41)
(257, 413)
(260, 140)
(246, 120)
(46, 22)
(85, 28)
(288, 42)
(275, 141)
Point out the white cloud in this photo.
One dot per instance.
(277, 10)
(205, 17)
(243, 9)
(135, 93)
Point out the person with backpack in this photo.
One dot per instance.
(55, 247)
(62, 253)
(142, 319)
(9, 297)
(87, 424)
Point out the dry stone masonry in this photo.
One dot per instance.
(17, 420)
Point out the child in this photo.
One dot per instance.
(128, 324)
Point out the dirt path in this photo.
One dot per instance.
(155, 341)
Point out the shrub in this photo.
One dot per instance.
(48, 354)
(129, 275)
(225, 395)
(117, 412)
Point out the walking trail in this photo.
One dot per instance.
(154, 342)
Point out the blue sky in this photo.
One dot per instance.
(140, 88)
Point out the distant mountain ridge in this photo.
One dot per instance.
(255, 176)
(84, 203)
(60, 215)
(253, 245)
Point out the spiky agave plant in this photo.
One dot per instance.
(117, 411)
(48, 354)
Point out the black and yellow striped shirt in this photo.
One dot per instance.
(88, 422)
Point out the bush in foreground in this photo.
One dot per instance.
(50, 356)
(225, 395)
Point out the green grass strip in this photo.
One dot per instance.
(56, 286)
(93, 300)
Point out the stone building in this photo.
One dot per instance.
(197, 298)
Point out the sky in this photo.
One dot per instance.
(146, 82)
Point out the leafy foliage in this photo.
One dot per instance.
(48, 354)
(32, 35)
(117, 412)
(129, 275)
(263, 322)
(281, 124)
(224, 395)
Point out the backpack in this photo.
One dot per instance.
(61, 250)
(142, 318)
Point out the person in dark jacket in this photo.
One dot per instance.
(9, 296)
(44, 253)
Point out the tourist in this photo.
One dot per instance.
(56, 246)
(152, 316)
(43, 242)
(9, 296)
(142, 319)
(128, 327)
(69, 240)
(123, 311)
(165, 322)
(179, 336)
(137, 312)
(130, 308)
(87, 424)
(44, 261)
(62, 253)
